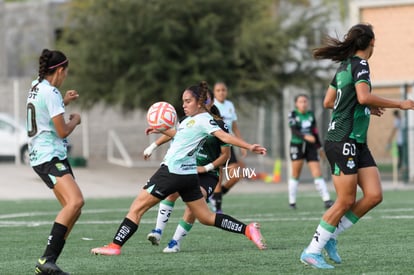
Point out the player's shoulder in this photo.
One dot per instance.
(222, 125)
(357, 61)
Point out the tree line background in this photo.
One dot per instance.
(131, 53)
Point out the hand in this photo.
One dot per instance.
(258, 149)
(70, 96)
(148, 151)
(150, 130)
(309, 138)
(377, 111)
(200, 169)
(407, 104)
(75, 117)
(322, 154)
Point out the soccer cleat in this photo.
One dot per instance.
(314, 260)
(172, 247)
(155, 236)
(330, 248)
(253, 234)
(43, 266)
(292, 206)
(111, 249)
(328, 204)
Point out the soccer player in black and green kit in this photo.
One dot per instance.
(304, 145)
(352, 165)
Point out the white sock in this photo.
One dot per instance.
(293, 189)
(320, 185)
(183, 228)
(164, 211)
(323, 233)
(348, 220)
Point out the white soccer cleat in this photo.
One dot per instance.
(172, 247)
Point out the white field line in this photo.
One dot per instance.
(6, 219)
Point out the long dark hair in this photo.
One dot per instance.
(357, 38)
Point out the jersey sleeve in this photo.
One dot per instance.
(333, 83)
(360, 71)
(225, 128)
(234, 114)
(54, 103)
(294, 125)
(315, 131)
(209, 124)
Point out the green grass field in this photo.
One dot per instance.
(381, 243)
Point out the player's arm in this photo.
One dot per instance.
(166, 137)
(64, 129)
(330, 96)
(231, 139)
(237, 133)
(222, 158)
(365, 97)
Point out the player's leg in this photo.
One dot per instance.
(57, 174)
(320, 184)
(217, 196)
(165, 209)
(162, 182)
(208, 183)
(252, 231)
(232, 172)
(129, 225)
(296, 166)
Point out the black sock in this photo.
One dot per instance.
(224, 190)
(218, 199)
(125, 231)
(55, 242)
(229, 223)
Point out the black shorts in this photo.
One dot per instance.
(208, 182)
(233, 157)
(348, 157)
(48, 171)
(305, 150)
(164, 183)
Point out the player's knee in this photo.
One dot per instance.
(76, 204)
(375, 198)
(207, 219)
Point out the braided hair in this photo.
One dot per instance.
(200, 93)
(49, 61)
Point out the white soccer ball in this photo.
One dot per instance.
(161, 116)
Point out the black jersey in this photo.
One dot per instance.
(211, 149)
(349, 118)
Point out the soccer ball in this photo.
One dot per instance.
(161, 116)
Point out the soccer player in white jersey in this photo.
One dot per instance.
(211, 156)
(178, 173)
(228, 112)
(47, 131)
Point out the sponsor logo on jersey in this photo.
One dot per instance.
(363, 62)
(190, 123)
(362, 73)
(213, 122)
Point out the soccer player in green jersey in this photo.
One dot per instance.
(304, 145)
(352, 165)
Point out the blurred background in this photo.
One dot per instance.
(127, 54)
